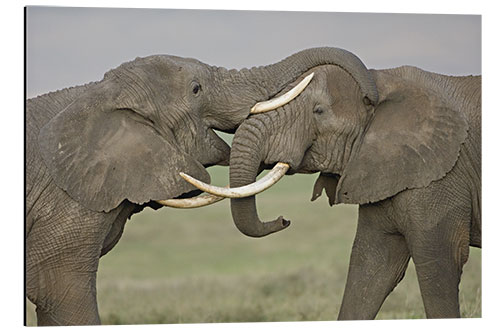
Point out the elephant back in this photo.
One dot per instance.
(41, 109)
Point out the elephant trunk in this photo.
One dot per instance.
(237, 91)
(246, 158)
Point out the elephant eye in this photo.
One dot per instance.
(196, 88)
(318, 110)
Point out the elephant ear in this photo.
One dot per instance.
(101, 154)
(413, 139)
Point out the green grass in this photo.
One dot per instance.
(193, 266)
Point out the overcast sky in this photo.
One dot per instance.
(70, 46)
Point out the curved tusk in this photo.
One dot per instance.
(276, 102)
(262, 184)
(201, 201)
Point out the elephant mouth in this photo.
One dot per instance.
(190, 194)
(194, 198)
(309, 164)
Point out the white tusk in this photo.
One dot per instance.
(262, 184)
(202, 200)
(276, 102)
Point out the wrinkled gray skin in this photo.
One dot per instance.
(98, 153)
(409, 156)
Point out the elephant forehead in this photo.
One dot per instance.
(159, 69)
(340, 82)
(180, 66)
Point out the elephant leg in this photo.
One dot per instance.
(74, 302)
(62, 258)
(439, 252)
(378, 262)
(63, 288)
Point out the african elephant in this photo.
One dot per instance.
(405, 145)
(100, 152)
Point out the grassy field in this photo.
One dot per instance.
(194, 266)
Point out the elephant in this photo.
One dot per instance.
(97, 153)
(404, 145)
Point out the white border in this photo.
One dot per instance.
(12, 163)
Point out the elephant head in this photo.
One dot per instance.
(128, 136)
(369, 138)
